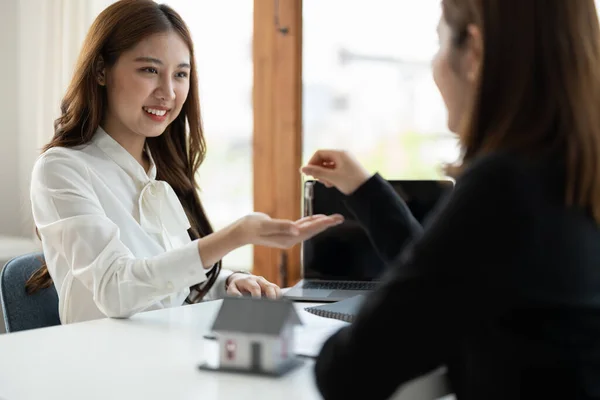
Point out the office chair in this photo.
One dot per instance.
(21, 310)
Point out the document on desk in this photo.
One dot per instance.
(310, 337)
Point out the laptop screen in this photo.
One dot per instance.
(345, 252)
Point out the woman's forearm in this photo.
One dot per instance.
(217, 245)
(386, 217)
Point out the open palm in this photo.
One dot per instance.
(285, 234)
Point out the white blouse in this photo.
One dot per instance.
(114, 238)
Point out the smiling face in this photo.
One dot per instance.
(146, 87)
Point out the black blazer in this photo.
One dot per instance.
(502, 287)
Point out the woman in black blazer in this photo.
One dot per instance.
(502, 287)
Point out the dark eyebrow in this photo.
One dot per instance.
(159, 62)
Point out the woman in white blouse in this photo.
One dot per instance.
(114, 195)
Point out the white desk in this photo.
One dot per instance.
(150, 356)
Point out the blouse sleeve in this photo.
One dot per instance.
(73, 224)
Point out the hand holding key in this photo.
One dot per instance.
(337, 168)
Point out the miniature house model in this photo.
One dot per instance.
(256, 335)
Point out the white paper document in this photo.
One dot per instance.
(310, 337)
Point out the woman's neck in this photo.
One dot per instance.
(134, 144)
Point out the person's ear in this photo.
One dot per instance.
(100, 71)
(474, 53)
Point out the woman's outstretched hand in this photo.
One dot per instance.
(260, 229)
(336, 168)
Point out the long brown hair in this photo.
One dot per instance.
(177, 153)
(539, 87)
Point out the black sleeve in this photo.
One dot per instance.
(405, 327)
(384, 215)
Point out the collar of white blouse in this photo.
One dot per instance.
(161, 212)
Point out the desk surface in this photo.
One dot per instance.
(150, 356)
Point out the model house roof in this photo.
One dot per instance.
(255, 315)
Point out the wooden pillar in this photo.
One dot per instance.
(277, 102)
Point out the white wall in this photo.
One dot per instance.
(39, 43)
(11, 207)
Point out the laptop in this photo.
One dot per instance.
(341, 262)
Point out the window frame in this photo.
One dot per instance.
(277, 130)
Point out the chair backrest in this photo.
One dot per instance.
(21, 310)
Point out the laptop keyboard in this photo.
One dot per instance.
(340, 285)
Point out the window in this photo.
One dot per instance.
(368, 86)
(223, 47)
